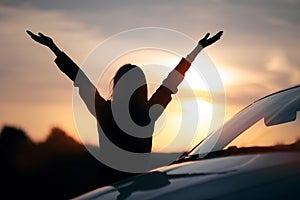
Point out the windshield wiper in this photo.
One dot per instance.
(222, 153)
(186, 157)
(233, 150)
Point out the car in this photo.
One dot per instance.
(254, 155)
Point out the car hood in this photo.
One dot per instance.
(240, 177)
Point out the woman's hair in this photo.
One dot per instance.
(132, 84)
(123, 70)
(139, 78)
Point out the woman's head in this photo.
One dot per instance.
(123, 70)
(130, 79)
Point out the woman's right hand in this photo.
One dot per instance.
(41, 38)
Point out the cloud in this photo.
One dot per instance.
(27, 70)
(280, 72)
(275, 73)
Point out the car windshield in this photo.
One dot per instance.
(272, 121)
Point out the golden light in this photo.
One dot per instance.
(226, 76)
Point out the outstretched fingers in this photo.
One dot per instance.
(33, 36)
(206, 36)
(41, 38)
(218, 35)
(29, 32)
(41, 34)
(215, 37)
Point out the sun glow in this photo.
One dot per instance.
(227, 76)
(171, 137)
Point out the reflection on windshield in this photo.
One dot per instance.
(261, 135)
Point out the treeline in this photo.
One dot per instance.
(58, 168)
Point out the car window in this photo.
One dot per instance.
(261, 135)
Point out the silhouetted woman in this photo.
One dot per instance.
(125, 121)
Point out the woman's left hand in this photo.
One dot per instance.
(205, 41)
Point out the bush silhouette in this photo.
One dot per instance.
(59, 167)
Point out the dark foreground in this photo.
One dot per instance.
(59, 168)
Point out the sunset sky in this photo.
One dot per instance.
(258, 53)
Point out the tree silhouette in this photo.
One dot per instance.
(58, 168)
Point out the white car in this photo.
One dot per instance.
(255, 155)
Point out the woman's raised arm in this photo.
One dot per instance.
(162, 95)
(88, 92)
(203, 43)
